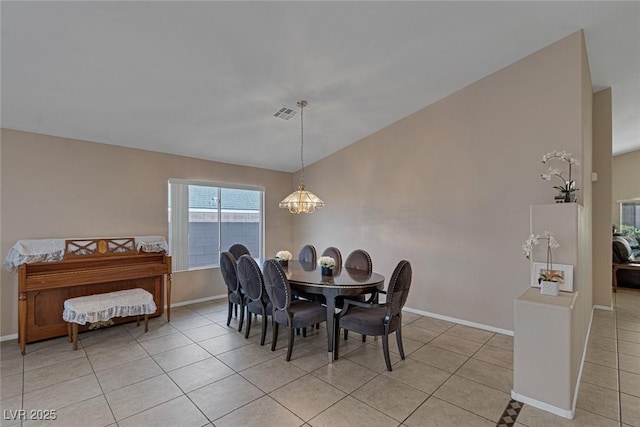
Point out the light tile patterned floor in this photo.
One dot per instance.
(196, 371)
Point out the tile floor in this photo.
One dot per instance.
(196, 371)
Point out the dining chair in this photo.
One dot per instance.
(235, 294)
(334, 253)
(294, 314)
(238, 249)
(307, 254)
(378, 319)
(257, 301)
(358, 259)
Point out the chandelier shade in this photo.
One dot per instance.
(301, 200)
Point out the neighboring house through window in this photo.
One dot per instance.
(207, 218)
(630, 216)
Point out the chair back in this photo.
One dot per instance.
(229, 269)
(250, 278)
(398, 289)
(276, 284)
(359, 260)
(335, 254)
(238, 250)
(307, 254)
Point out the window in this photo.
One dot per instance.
(207, 218)
(630, 216)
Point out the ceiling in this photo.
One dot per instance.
(203, 79)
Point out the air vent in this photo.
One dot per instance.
(285, 113)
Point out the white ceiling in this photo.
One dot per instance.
(203, 79)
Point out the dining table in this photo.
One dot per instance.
(344, 282)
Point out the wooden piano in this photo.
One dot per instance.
(89, 266)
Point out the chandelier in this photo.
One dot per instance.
(301, 200)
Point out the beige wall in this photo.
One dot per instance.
(626, 180)
(449, 187)
(56, 187)
(602, 195)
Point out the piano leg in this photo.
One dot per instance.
(22, 322)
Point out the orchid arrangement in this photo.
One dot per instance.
(284, 255)
(568, 184)
(326, 261)
(534, 239)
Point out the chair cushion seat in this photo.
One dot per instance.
(368, 321)
(305, 313)
(256, 307)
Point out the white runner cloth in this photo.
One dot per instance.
(52, 250)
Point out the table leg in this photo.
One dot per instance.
(331, 312)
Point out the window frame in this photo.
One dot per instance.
(180, 256)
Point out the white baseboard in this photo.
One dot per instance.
(564, 413)
(195, 301)
(603, 307)
(460, 321)
(9, 337)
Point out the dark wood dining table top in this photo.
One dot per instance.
(305, 273)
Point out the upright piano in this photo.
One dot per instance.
(87, 267)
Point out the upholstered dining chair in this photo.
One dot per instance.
(238, 249)
(257, 301)
(334, 253)
(293, 314)
(235, 294)
(358, 259)
(378, 319)
(307, 254)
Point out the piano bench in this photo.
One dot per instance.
(104, 307)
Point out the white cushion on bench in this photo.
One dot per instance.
(102, 307)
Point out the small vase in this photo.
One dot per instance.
(549, 288)
(326, 271)
(283, 262)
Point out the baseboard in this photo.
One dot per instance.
(9, 337)
(196, 301)
(564, 413)
(603, 307)
(460, 321)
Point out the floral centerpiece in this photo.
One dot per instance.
(327, 263)
(568, 188)
(548, 278)
(283, 257)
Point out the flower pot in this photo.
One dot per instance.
(283, 262)
(326, 271)
(549, 288)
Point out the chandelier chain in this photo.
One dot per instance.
(302, 104)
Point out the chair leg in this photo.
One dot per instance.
(336, 338)
(346, 334)
(274, 338)
(146, 323)
(264, 328)
(292, 336)
(230, 313)
(385, 350)
(364, 338)
(304, 332)
(235, 310)
(399, 341)
(241, 317)
(248, 328)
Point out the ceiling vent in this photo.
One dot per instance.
(285, 113)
